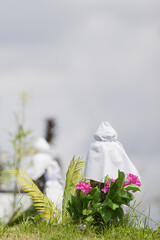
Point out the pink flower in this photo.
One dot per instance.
(125, 183)
(84, 187)
(113, 180)
(107, 186)
(105, 189)
(132, 179)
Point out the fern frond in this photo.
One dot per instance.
(43, 205)
(73, 177)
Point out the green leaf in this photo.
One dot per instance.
(43, 205)
(85, 196)
(116, 186)
(119, 212)
(121, 178)
(89, 219)
(110, 204)
(132, 187)
(106, 214)
(85, 199)
(106, 178)
(85, 203)
(73, 177)
(118, 200)
(75, 209)
(96, 195)
(113, 190)
(76, 203)
(125, 194)
(87, 211)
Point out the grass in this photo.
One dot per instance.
(29, 227)
(34, 230)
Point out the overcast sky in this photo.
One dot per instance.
(82, 62)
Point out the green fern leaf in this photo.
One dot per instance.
(73, 177)
(43, 205)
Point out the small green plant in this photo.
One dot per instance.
(43, 205)
(41, 202)
(21, 140)
(73, 177)
(97, 206)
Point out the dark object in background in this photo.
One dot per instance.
(40, 182)
(50, 135)
(50, 130)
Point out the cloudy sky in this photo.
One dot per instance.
(83, 62)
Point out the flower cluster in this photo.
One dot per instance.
(107, 185)
(88, 201)
(131, 179)
(84, 187)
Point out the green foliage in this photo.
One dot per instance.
(132, 187)
(73, 177)
(21, 141)
(99, 208)
(43, 205)
(31, 228)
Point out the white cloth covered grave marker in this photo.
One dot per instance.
(106, 156)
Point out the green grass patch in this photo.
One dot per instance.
(33, 228)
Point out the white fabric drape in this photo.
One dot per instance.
(106, 155)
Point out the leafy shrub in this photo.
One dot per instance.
(100, 206)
